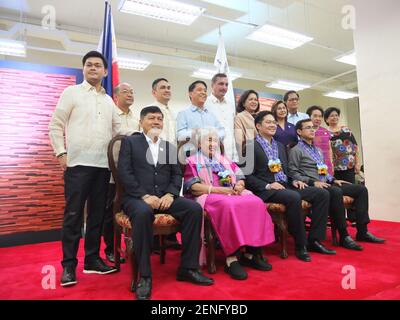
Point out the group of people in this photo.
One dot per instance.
(284, 156)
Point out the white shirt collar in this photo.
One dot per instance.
(150, 141)
(159, 104)
(214, 99)
(120, 112)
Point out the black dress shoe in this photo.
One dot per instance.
(110, 258)
(98, 266)
(369, 237)
(350, 244)
(143, 288)
(68, 277)
(194, 276)
(302, 254)
(256, 262)
(316, 246)
(236, 271)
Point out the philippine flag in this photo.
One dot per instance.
(108, 47)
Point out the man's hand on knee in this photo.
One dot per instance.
(152, 201)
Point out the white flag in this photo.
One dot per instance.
(221, 63)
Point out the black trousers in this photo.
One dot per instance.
(319, 199)
(291, 198)
(108, 225)
(337, 209)
(188, 212)
(83, 183)
(346, 175)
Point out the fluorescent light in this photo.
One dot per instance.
(132, 64)
(12, 47)
(349, 58)
(166, 10)
(341, 95)
(204, 73)
(279, 37)
(287, 85)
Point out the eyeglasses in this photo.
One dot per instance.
(293, 99)
(308, 128)
(127, 91)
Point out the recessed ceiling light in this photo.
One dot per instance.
(287, 85)
(341, 94)
(205, 73)
(349, 58)
(132, 64)
(166, 10)
(279, 37)
(12, 48)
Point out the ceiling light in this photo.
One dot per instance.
(132, 64)
(287, 85)
(279, 37)
(12, 48)
(204, 73)
(341, 95)
(349, 58)
(166, 10)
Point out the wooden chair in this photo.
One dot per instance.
(278, 214)
(163, 224)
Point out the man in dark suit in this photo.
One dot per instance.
(269, 181)
(306, 164)
(152, 178)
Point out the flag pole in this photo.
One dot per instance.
(103, 49)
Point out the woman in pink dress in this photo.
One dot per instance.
(322, 135)
(239, 218)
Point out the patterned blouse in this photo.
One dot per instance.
(344, 148)
(322, 141)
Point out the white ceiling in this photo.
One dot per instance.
(320, 19)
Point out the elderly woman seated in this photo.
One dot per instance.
(238, 217)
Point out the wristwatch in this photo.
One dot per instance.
(268, 186)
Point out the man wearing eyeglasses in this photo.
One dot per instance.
(268, 180)
(123, 97)
(291, 99)
(306, 164)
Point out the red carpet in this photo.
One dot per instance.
(377, 275)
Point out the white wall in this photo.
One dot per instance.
(377, 48)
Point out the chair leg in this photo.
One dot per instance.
(162, 248)
(117, 246)
(284, 238)
(281, 224)
(210, 245)
(134, 267)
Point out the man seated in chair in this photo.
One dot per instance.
(269, 181)
(151, 178)
(306, 164)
